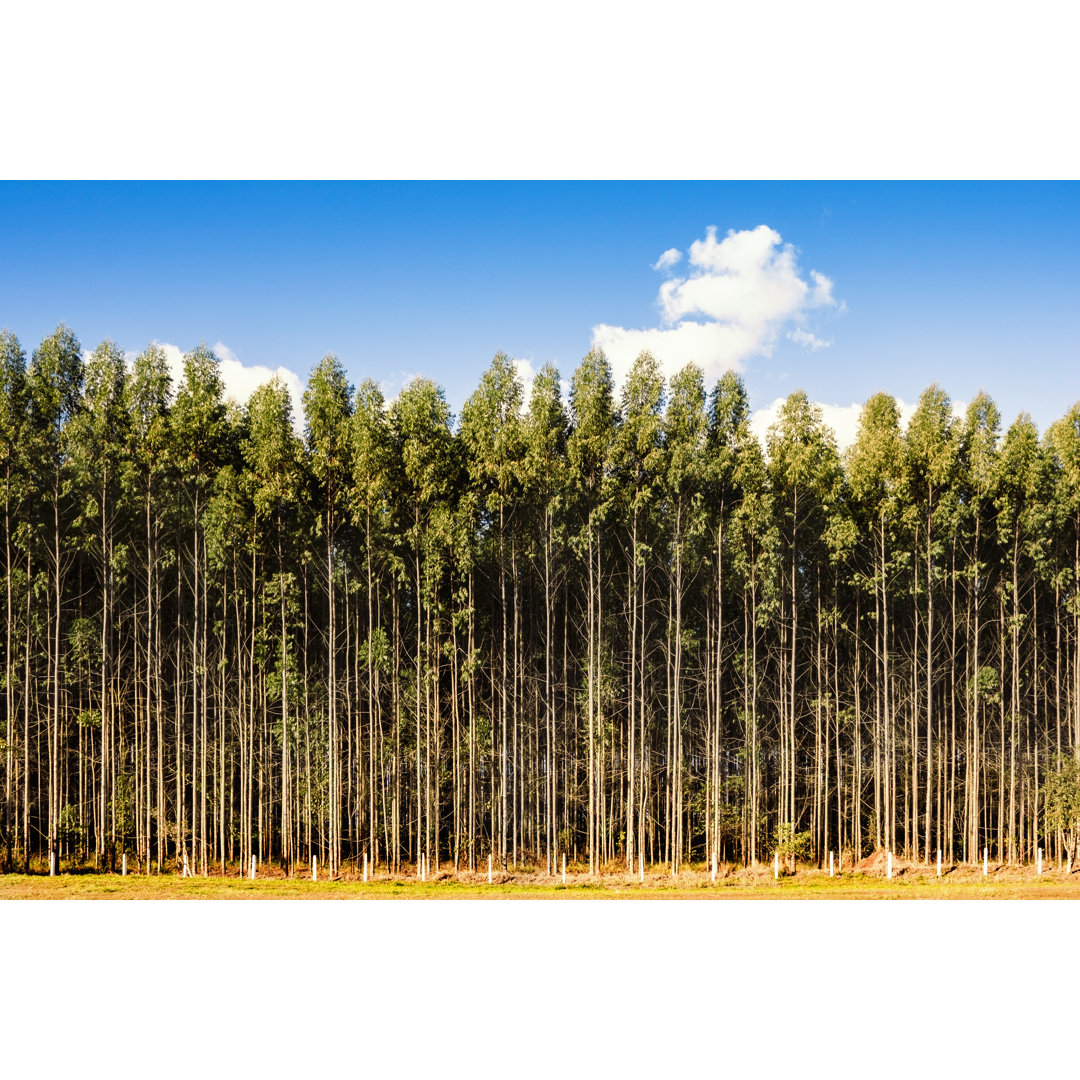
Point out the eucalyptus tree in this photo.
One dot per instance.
(931, 446)
(976, 477)
(370, 506)
(422, 445)
(1039, 525)
(803, 465)
(231, 503)
(492, 432)
(828, 550)
(756, 543)
(638, 467)
(684, 431)
(146, 468)
(13, 423)
(874, 467)
(273, 456)
(546, 432)
(1055, 556)
(98, 441)
(588, 450)
(327, 409)
(243, 652)
(1063, 438)
(198, 428)
(1061, 803)
(1020, 490)
(726, 442)
(55, 384)
(462, 555)
(837, 559)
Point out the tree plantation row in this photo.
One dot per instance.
(613, 627)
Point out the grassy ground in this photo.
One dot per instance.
(914, 883)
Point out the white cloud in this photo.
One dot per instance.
(738, 295)
(697, 341)
(668, 259)
(821, 294)
(527, 374)
(843, 419)
(804, 337)
(175, 359)
(241, 380)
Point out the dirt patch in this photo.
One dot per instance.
(877, 863)
(755, 873)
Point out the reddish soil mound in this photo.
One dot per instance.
(878, 863)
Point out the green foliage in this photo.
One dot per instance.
(546, 433)
(327, 409)
(123, 806)
(70, 830)
(492, 431)
(371, 461)
(1061, 801)
(13, 408)
(420, 429)
(684, 431)
(986, 685)
(89, 719)
(932, 446)
(791, 845)
(378, 645)
(592, 433)
(875, 458)
(84, 642)
(271, 450)
(55, 382)
(802, 452)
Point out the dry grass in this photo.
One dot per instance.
(909, 882)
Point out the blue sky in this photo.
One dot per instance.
(972, 285)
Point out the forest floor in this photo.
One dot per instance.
(910, 881)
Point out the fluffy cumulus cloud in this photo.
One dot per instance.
(241, 380)
(735, 300)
